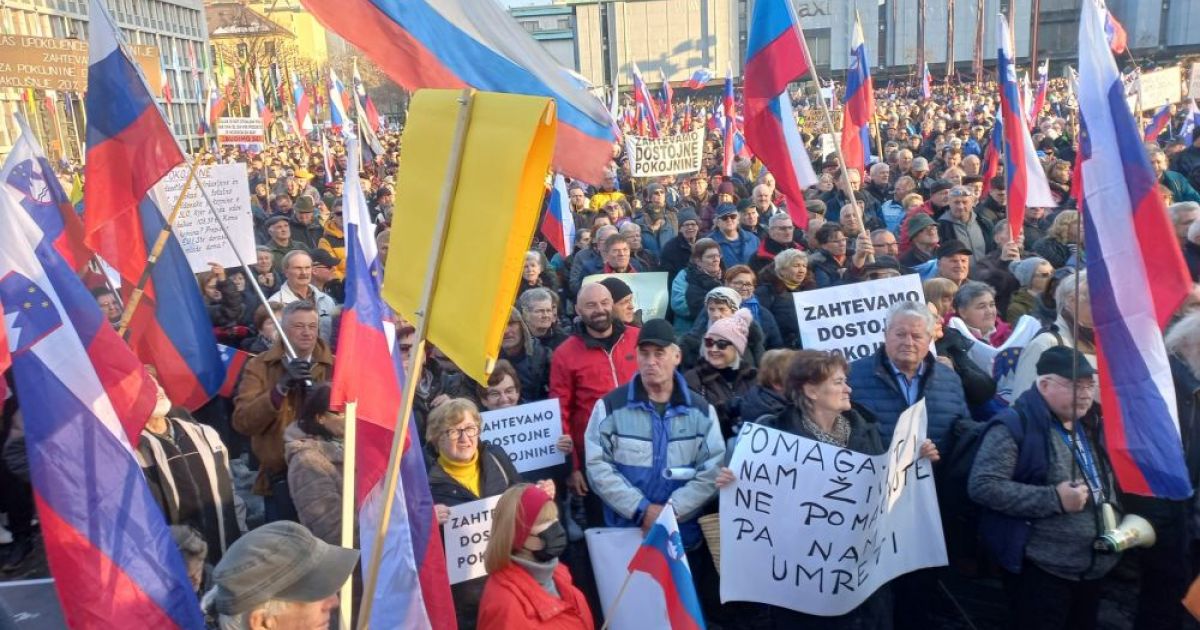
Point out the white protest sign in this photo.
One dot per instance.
(466, 535)
(195, 227)
(1194, 81)
(817, 528)
(643, 606)
(246, 133)
(1158, 88)
(527, 433)
(668, 155)
(850, 319)
(650, 292)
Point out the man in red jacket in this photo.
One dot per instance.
(600, 355)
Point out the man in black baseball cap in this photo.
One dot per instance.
(279, 576)
(954, 261)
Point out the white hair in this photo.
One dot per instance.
(1064, 295)
(1183, 341)
(1193, 233)
(1182, 209)
(785, 258)
(916, 310)
(272, 607)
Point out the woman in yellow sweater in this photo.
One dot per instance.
(463, 469)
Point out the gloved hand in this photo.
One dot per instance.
(298, 373)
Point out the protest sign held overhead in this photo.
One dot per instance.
(195, 227)
(850, 319)
(527, 433)
(650, 291)
(244, 133)
(817, 528)
(668, 155)
(466, 535)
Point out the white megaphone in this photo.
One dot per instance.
(1134, 531)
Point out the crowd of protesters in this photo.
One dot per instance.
(1016, 502)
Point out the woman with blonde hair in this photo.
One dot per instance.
(527, 586)
(1062, 239)
(940, 292)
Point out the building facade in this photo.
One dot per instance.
(175, 27)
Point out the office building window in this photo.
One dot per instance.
(530, 25)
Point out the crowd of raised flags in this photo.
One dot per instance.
(105, 535)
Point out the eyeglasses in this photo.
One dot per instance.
(728, 217)
(721, 344)
(469, 432)
(741, 285)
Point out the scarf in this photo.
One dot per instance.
(839, 436)
(752, 304)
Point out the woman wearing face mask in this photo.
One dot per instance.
(527, 586)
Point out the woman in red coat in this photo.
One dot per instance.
(527, 587)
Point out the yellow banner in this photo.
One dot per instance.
(494, 211)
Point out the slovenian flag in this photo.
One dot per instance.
(1025, 179)
(662, 557)
(558, 223)
(1157, 124)
(1135, 282)
(700, 79)
(860, 104)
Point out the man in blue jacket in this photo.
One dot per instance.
(737, 244)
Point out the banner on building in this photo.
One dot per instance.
(50, 63)
(198, 233)
(850, 319)
(817, 528)
(669, 155)
(650, 292)
(528, 433)
(243, 133)
(466, 534)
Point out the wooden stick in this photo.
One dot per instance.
(350, 441)
(417, 358)
(164, 234)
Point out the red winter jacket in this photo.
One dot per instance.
(512, 599)
(582, 372)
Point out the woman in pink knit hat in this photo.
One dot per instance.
(721, 376)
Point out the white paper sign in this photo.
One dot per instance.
(1158, 88)
(527, 433)
(850, 319)
(246, 133)
(650, 293)
(1194, 81)
(197, 230)
(668, 155)
(643, 606)
(466, 535)
(817, 528)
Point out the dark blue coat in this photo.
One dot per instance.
(876, 389)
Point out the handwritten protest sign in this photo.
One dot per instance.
(527, 433)
(466, 535)
(850, 319)
(668, 155)
(1194, 81)
(817, 528)
(245, 133)
(1157, 88)
(195, 227)
(643, 605)
(650, 294)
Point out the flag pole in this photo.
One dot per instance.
(135, 298)
(417, 356)
(350, 443)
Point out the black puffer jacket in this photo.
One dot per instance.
(721, 392)
(761, 401)
(698, 286)
(978, 386)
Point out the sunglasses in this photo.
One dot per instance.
(721, 344)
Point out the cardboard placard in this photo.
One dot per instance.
(466, 535)
(850, 319)
(197, 230)
(668, 155)
(528, 433)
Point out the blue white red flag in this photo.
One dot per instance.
(86, 397)
(32, 183)
(216, 107)
(260, 104)
(859, 104)
(454, 44)
(776, 55)
(1025, 179)
(413, 590)
(1157, 124)
(1114, 33)
(233, 360)
(668, 96)
(303, 121)
(558, 223)
(699, 79)
(991, 158)
(337, 108)
(647, 108)
(728, 116)
(1189, 124)
(1039, 96)
(1135, 281)
(129, 149)
(370, 114)
(926, 83)
(662, 557)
